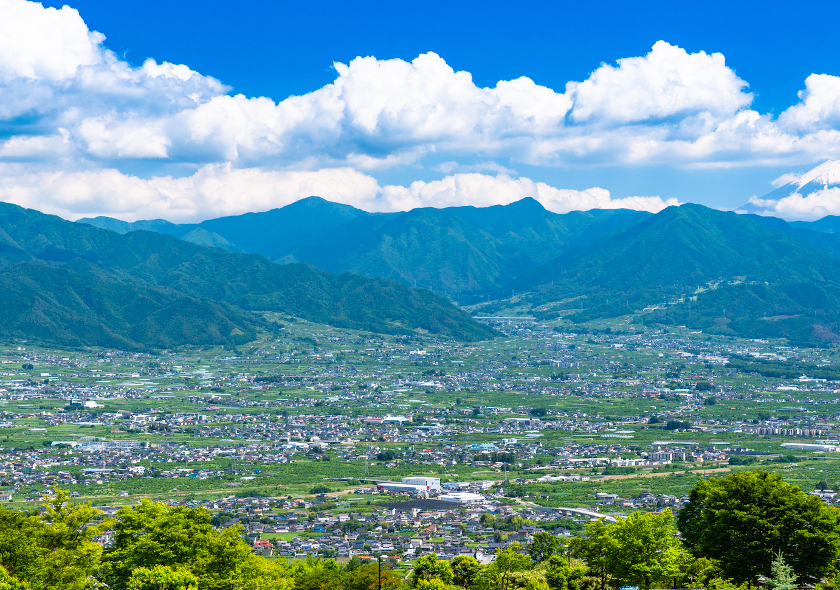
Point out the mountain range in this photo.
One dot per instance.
(158, 284)
(469, 253)
(74, 284)
(717, 271)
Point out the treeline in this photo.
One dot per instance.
(732, 531)
(782, 369)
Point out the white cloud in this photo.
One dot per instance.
(814, 205)
(88, 112)
(219, 189)
(784, 179)
(819, 106)
(482, 190)
(667, 82)
(212, 191)
(44, 43)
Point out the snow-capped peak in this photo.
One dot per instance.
(826, 174)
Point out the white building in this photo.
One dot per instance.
(462, 497)
(431, 483)
(810, 447)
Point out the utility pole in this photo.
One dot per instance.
(367, 456)
(379, 560)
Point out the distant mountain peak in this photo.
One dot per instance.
(826, 174)
(823, 177)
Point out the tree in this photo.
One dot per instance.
(162, 577)
(745, 519)
(560, 575)
(429, 567)
(433, 584)
(8, 582)
(21, 555)
(151, 534)
(366, 577)
(54, 550)
(544, 546)
(499, 575)
(596, 549)
(641, 550)
(66, 534)
(646, 549)
(317, 574)
(781, 575)
(464, 570)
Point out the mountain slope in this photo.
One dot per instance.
(73, 283)
(270, 233)
(722, 260)
(122, 227)
(460, 250)
(474, 251)
(273, 233)
(829, 224)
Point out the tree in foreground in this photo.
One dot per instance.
(465, 568)
(781, 575)
(162, 577)
(507, 571)
(183, 539)
(544, 546)
(746, 519)
(53, 550)
(429, 567)
(640, 550)
(560, 575)
(8, 582)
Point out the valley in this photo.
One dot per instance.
(546, 415)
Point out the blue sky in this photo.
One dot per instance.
(456, 103)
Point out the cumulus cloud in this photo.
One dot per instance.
(819, 106)
(212, 191)
(667, 82)
(219, 189)
(814, 205)
(482, 190)
(76, 112)
(45, 44)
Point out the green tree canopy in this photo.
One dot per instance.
(152, 534)
(544, 546)
(501, 574)
(8, 582)
(367, 576)
(54, 550)
(560, 575)
(639, 550)
(745, 519)
(162, 577)
(781, 575)
(646, 550)
(465, 568)
(429, 567)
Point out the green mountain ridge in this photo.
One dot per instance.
(729, 274)
(466, 251)
(75, 284)
(716, 271)
(470, 251)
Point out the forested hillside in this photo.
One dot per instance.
(76, 284)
